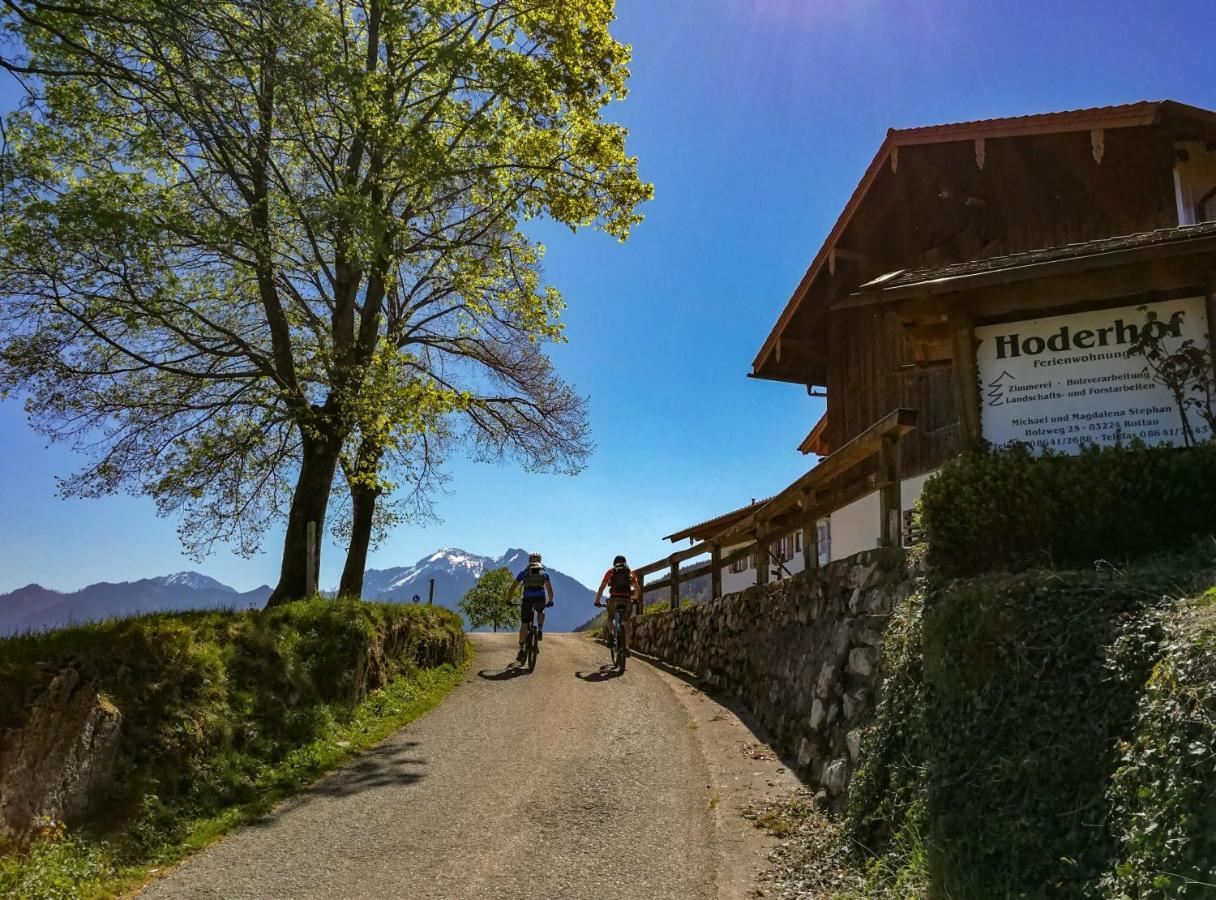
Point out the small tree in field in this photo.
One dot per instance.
(486, 602)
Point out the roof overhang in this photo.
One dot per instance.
(1089, 257)
(710, 527)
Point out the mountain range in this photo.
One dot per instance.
(35, 608)
(455, 571)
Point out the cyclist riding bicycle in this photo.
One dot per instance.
(538, 594)
(623, 591)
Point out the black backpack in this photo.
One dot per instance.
(622, 581)
(534, 577)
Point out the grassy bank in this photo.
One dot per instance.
(223, 715)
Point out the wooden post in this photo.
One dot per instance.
(810, 544)
(675, 583)
(430, 596)
(888, 497)
(966, 377)
(1209, 300)
(641, 601)
(715, 572)
(760, 555)
(310, 577)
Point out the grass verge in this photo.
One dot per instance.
(89, 864)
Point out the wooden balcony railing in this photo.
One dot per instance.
(798, 508)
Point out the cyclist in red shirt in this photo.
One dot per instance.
(623, 591)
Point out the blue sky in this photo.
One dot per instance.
(754, 119)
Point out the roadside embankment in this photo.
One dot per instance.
(126, 744)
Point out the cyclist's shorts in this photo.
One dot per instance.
(625, 604)
(526, 607)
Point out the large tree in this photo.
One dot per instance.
(247, 242)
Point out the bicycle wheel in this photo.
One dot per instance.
(533, 649)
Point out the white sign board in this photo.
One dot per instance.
(1065, 381)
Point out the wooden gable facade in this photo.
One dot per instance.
(953, 194)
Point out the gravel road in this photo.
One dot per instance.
(566, 783)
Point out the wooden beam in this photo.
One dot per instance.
(1209, 304)
(675, 582)
(966, 376)
(888, 494)
(715, 572)
(810, 532)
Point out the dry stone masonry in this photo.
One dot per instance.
(801, 653)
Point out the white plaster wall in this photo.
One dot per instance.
(909, 490)
(796, 564)
(732, 581)
(855, 527)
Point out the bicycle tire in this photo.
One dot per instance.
(533, 650)
(618, 644)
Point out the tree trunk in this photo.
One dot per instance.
(364, 493)
(363, 510)
(308, 504)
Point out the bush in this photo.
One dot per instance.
(1025, 707)
(1007, 509)
(1163, 795)
(1048, 734)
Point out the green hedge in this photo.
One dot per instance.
(1032, 681)
(1045, 735)
(1163, 795)
(209, 699)
(1007, 510)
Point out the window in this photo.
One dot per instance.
(797, 541)
(742, 565)
(824, 529)
(1195, 182)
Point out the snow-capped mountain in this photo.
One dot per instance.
(455, 571)
(193, 580)
(35, 608)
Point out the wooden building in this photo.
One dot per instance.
(976, 251)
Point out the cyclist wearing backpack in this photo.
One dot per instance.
(538, 594)
(623, 590)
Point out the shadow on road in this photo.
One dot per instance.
(388, 765)
(506, 674)
(604, 673)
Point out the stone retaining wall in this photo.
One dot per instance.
(801, 653)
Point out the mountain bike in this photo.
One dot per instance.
(617, 643)
(531, 642)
